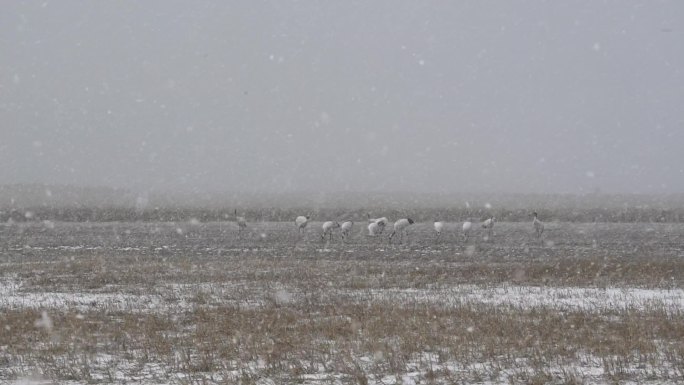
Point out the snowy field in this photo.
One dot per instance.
(194, 303)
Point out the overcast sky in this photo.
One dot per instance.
(441, 96)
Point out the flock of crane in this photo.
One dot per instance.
(377, 226)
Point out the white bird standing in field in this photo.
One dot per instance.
(328, 229)
(346, 228)
(382, 222)
(401, 227)
(373, 229)
(538, 226)
(439, 226)
(301, 222)
(489, 225)
(241, 222)
(467, 225)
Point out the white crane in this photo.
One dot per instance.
(241, 222)
(439, 226)
(489, 225)
(373, 229)
(301, 222)
(538, 225)
(328, 229)
(401, 227)
(467, 226)
(346, 228)
(382, 222)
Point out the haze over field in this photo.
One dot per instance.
(348, 192)
(513, 96)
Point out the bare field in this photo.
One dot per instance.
(193, 303)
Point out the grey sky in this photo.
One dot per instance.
(509, 96)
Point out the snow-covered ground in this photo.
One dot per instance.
(174, 294)
(176, 298)
(14, 296)
(531, 297)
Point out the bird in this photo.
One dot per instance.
(373, 229)
(467, 225)
(328, 229)
(439, 226)
(301, 222)
(489, 225)
(346, 228)
(241, 222)
(381, 222)
(538, 225)
(400, 227)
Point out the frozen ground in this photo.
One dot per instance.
(194, 303)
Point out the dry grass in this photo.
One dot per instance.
(317, 314)
(285, 342)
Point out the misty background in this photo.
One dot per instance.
(276, 97)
